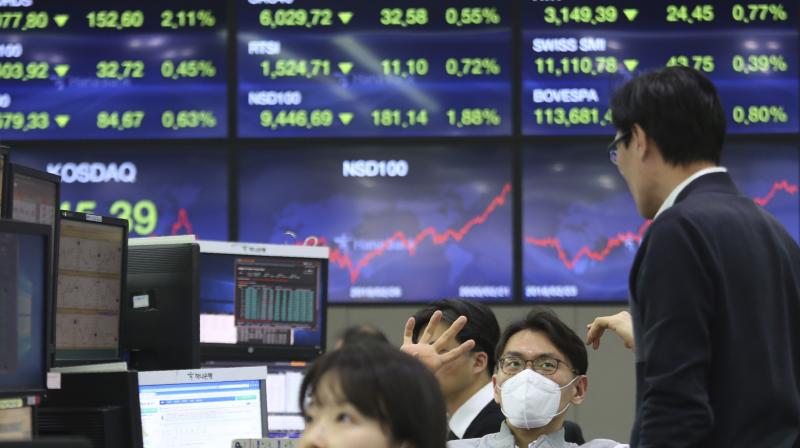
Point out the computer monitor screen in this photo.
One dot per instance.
(205, 408)
(91, 276)
(24, 300)
(283, 398)
(34, 195)
(260, 301)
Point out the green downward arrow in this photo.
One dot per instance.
(62, 120)
(631, 64)
(345, 67)
(61, 20)
(346, 117)
(631, 13)
(61, 69)
(345, 16)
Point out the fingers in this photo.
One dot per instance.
(427, 335)
(461, 350)
(595, 331)
(450, 334)
(408, 333)
(619, 323)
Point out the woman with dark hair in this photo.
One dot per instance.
(371, 395)
(358, 333)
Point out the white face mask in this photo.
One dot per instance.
(530, 400)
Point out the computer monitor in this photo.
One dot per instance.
(25, 300)
(283, 399)
(91, 284)
(103, 406)
(262, 302)
(205, 408)
(4, 151)
(49, 443)
(33, 195)
(160, 317)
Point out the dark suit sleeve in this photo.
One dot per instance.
(673, 302)
(486, 422)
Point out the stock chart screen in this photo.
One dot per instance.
(352, 68)
(581, 229)
(112, 69)
(159, 191)
(403, 224)
(575, 53)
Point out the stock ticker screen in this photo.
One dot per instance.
(352, 68)
(261, 300)
(112, 70)
(575, 53)
(458, 90)
(419, 223)
(581, 229)
(155, 189)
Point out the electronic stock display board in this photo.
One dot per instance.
(160, 191)
(83, 69)
(418, 224)
(581, 229)
(575, 53)
(352, 68)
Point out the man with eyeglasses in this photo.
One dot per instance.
(540, 372)
(715, 284)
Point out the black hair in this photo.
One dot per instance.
(545, 321)
(358, 333)
(481, 325)
(388, 385)
(678, 108)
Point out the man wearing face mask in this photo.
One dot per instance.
(540, 373)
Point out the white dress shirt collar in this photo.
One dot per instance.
(670, 201)
(467, 412)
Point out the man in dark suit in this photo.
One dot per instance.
(715, 285)
(467, 381)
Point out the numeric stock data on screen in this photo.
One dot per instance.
(112, 70)
(575, 53)
(389, 68)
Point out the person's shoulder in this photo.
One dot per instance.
(464, 443)
(503, 438)
(604, 443)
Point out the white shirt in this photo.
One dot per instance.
(467, 412)
(670, 201)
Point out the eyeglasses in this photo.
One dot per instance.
(546, 365)
(612, 147)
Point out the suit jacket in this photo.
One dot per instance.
(486, 422)
(715, 300)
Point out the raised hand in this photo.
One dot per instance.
(434, 353)
(619, 323)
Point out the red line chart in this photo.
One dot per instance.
(619, 239)
(411, 243)
(183, 222)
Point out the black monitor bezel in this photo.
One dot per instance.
(29, 228)
(12, 169)
(129, 313)
(99, 220)
(5, 160)
(210, 352)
